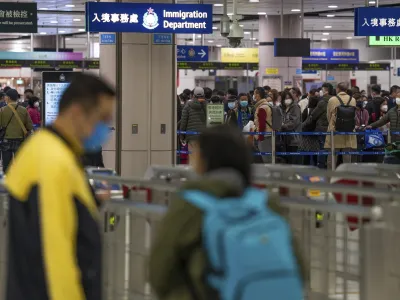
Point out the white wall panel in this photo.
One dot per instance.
(161, 157)
(134, 163)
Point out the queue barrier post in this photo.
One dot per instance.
(333, 158)
(273, 147)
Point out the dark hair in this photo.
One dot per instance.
(394, 89)
(342, 86)
(350, 93)
(296, 90)
(357, 96)
(221, 93)
(275, 95)
(187, 92)
(233, 92)
(215, 99)
(242, 95)
(328, 86)
(223, 147)
(266, 88)
(313, 102)
(355, 89)
(32, 100)
(207, 93)
(385, 94)
(84, 90)
(28, 91)
(6, 89)
(376, 89)
(260, 91)
(312, 91)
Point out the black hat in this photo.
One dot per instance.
(13, 94)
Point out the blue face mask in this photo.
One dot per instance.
(231, 105)
(98, 137)
(244, 103)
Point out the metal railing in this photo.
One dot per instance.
(342, 259)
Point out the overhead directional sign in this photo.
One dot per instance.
(192, 53)
(376, 21)
(384, 41)
(332, 56)
(148, 17)
(239, 55)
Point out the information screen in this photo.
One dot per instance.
(53, 92)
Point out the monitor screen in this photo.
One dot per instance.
(53, 92)
(292, 47)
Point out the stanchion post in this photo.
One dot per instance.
(389, 136)
(273, 147)
(333, 151)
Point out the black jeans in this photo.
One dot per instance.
(321, 161)
(11, 148)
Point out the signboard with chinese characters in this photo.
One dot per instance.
(215, 114)
(108, 39)
(42, 55)
(373, 67)
(162, 39)
(239, 55)
(313, 68)
(376, 21)
(148, 17)
(332, 56)
(49, 64)
(185, 65)
(272, 71)
(191, 53)
(18, 17)
(384, 41)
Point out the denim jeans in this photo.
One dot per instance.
(321, 161)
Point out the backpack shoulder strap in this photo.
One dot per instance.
(21, 124)
(340, 100)
(201, 200)
(348, 102)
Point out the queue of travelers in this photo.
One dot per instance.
(324, 109)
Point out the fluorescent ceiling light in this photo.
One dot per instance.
(330, 16)
(43, 33)
(54, 22)
(241, 25)
(253, 39)
(199, 36)
(230, 14)
(333, 6)
(372, 62)
(327, 26)
(81, 29)
(324, 39)
(218, 45)
(296, 10)
(218, 4)
(325, 33)
(215, 28)
(77, 20)
(254, 1)
(257, 43)
(247, 32)
(349, 37)
(68, 39)
(371, 2)
(211, 41)
(43, 8)
(261, 13)
(69, 5)
(61, 31)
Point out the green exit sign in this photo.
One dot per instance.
(384, 41)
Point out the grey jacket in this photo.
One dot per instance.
(193, 118)
(392, 116)
(319, 114)
(292, 123)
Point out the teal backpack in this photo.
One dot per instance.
(249, 248)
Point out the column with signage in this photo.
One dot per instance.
(274, 71)
(148, 69)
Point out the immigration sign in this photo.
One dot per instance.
(148, 17)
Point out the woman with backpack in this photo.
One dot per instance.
(180, 263)
(291, 123)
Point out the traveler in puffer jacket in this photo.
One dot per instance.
(194, 117)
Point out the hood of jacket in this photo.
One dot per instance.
(221, 183)
(196, 104)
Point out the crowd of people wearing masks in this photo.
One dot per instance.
(265, 110)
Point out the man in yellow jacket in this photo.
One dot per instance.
(54, 246)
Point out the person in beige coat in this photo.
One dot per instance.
(340, 142)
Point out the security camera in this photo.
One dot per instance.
(235, 34)
(225, 23)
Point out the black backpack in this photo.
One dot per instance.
(345, 117)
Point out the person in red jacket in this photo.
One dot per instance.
(33, 110)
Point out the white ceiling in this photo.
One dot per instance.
(59, 15)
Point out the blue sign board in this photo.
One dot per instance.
(162, 39)
(107, 39)
(376, 21)
(309, 72)
(148, 17)
(192, 53)
(330, 78)
(332, 56)
(299, 71)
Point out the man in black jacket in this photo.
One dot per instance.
(320, 118)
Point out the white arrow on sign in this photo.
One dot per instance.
(202, 53)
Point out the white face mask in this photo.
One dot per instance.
(398, 101)
(321, 93)
(365, 103)
(36, 104)
(288, 102)
(384, 108)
